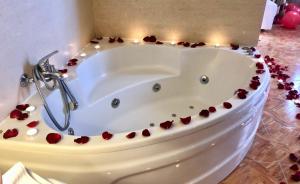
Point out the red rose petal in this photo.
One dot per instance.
(204, 113)
(180, 43)
(73, 60)
(63, 71)
(294, 167)
(260, 71)
(186, 120)
(296, 176)
(242, 95)
(194, 45)
(259, 65)
(22, 107)
(241, 91)
(273, 75)
(32, 124)
(20, 118)
(186, 44)
(71, 64)
(253, 86)
(146, 133)
(293, 157)
(234, 46)
(23, 116)
(159, 43)
(257, 56)
(255, 82)
(152, 38)
(201, 44)
(280, 86)
(82, 140)
(166, 124)
(15, 114)
(131, 135)
(94, 42)
(292, 94)
(106, 135)
(111, 40)
(10, 133)
(212, 109)
(120, 40)
(227, 105)
(146, 39)
(298, 116)
(53, 138)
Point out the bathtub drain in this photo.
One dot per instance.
(71, 131)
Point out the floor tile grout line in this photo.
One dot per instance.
(282, 171)
(277, 119)
(279, 161)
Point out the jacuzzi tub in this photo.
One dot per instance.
(153, 84)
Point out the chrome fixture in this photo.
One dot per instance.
(248, 50)
(204, 79)
(115, 103)
(71, 131)
(25, 80)
(45, 73)
(156, 87)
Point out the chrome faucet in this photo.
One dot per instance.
(45, 73)
(45, 67)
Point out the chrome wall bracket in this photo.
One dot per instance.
(25, 80)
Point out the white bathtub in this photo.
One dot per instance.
(204, 151)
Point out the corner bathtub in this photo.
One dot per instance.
(153, 84)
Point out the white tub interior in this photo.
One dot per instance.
(129, 73)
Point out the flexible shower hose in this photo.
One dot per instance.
(58, 82)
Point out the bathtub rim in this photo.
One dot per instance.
(120, 142)
(223, 111)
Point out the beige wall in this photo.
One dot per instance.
(30, 29)
(212, 21)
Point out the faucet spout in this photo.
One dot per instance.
(44, 62)
(45, 73)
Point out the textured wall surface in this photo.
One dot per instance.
(213, 21)
(31, 29)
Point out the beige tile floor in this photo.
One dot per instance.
(268, 160)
